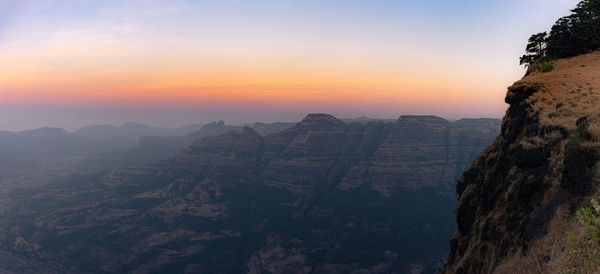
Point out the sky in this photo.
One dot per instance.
(67, 63)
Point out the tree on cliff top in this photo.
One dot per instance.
(536, 48)
(571, 35)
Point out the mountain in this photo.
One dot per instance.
(150, 149)
(47, 143)
(265, 129)
(523, 203)
(321, 196)
(213, 128)
(7, 156)
(129, 133)
(182, 141)
(365, 119)
(36, 157)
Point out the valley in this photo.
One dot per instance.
(323, 195)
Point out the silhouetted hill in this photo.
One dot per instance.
(48, 143)
(129, 133)
(270, 128)
(151, 149)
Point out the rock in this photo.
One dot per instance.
(321, 196)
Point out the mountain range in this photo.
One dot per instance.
(321, 196)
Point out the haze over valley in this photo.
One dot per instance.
(232, 136)
(264, 197)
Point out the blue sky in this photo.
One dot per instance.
(244, 61)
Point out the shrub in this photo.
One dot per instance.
(586, 256)
(547, 67)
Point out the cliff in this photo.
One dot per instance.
(322, 196)
(523, 190)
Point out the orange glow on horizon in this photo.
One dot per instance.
(270, 84)
(79, 67)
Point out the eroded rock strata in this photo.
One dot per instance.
(323, 196)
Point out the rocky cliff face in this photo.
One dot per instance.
(545, 158)
(322, 196)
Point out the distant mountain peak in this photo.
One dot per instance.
(248, 131)
(320, 119)
(318, 116)
(422, 118)
(134, 125)
(45, 131)
(214, 123)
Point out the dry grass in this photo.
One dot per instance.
(593, 141)
(594, 130)
(570, 91)
(533, 142)
(562, 249)
(549, 254)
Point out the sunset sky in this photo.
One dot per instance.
(68, 63)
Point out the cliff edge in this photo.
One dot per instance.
(518, 199)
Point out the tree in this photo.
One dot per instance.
(536, 49)
(560, 40)
(586, 24)
(571, 35)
